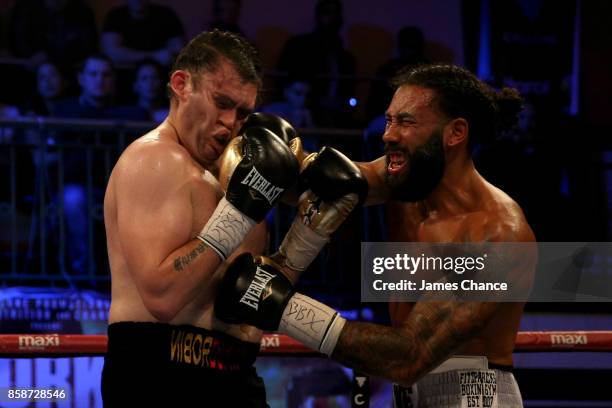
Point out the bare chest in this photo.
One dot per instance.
(406, 223)
(452, 229)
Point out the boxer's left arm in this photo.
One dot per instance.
(430, 335)
(256, 292)
(434, 330)
(427, 337)
(378, 192)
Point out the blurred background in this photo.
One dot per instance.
(80, 79)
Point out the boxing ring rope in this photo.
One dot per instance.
(74, 345)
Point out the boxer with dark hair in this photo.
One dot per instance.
(437, 113)
(181, 200)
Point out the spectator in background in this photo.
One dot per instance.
(50, 88)
(320, 57)
(293, 107)
(42, 162)
(96, 100)
(410, 51)
(141, 29)
(61, 30)
(225, 16)
(150, 90)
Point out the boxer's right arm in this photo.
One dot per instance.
(169, 265)
(374, 173)
(335, 187)
(154, 215)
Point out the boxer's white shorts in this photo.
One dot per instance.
(461, 382)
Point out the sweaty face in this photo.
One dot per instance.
(215, 109)
(414, 148)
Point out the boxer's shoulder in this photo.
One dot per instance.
(507, 223)
(499, 218)
(503, 224)
(157, 160)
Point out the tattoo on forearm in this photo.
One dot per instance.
(433, 331)
(182, 261)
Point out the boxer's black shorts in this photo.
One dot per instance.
(155, 364)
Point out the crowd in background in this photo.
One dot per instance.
(119, 70)
(63, 65)
(69, 68)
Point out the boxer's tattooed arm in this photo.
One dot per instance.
(182, 261)
(433, 331)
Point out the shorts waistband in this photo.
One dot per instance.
(456, 388)
(183, 345)
(461, 362)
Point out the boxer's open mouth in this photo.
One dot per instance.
(396, 162)
(219, 143)
(217, 148)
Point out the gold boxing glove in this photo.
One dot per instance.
(334, 187)
(312, 227)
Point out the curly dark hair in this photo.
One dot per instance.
(207, 50)
(459, 93)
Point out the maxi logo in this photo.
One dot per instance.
(256, 287)
(270, 341)
(568, 339)
(259, 183)
(38, 342)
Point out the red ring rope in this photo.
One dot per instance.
(279, 344)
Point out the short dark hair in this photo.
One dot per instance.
(209, 49)
(459, 93)
(98, 56)
(150, 62)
